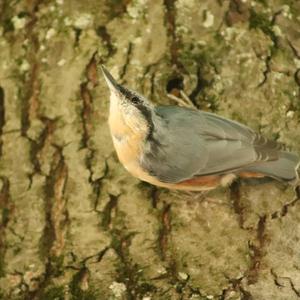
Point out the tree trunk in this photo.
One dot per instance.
(75, 224)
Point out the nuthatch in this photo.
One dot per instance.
(187, 149)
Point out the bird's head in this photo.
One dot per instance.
(135, 110)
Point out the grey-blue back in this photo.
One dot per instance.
(190, 143)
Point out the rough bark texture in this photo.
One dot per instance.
(74, 224)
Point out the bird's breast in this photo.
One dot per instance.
(127, 143)
(127, 148)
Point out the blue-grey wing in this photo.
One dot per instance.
(190, 143)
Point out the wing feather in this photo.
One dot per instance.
(192, 143)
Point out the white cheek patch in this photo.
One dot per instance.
(126, 114)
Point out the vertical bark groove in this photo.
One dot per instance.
(2, 116)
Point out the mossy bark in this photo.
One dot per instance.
(74, 224)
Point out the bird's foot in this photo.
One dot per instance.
(183, 100)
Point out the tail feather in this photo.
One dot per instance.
(285, 168)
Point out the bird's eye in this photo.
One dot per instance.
(135, 100)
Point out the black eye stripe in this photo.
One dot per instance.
(138, 102)
(130, 95)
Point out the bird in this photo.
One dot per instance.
(188, 149)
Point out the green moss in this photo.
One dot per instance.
(111, 204)
(2, 266)
(75, 283)
(8, 26)
(54, 293)
(145, 288)
(213, 101)
(5, 215)
(129, 272)
(77, 292)
(263, 2)
(218, 37)
(261, 21)
(86, 295)
(57, 265)
(117, 8)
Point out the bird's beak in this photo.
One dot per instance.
(112, 84)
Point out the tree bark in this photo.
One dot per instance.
(74, 224)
